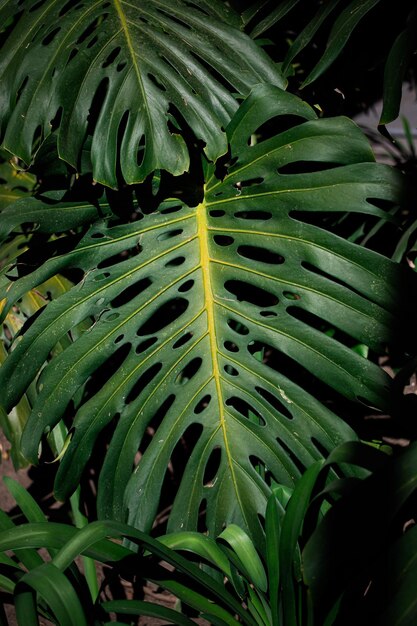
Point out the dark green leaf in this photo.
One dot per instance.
(290, 533)
(273, 522)
(57, 591)
(396, 66)
(126, 74)
(306, 35)
(356, 530)
(273, 17)
(137, 607)
(339, 35)
(189, 297)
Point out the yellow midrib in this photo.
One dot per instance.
(125, 29)
(202, 226)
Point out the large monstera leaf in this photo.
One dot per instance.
(128, 74)
(201, 315)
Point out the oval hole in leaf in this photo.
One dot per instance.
(144, 345)
(290, 295)
(189, 371)
(246, 410)
(186, 286)
(176, 262)
(202, 404)
(238, 327)
(112, 57)
(223, 240)
(312, 320)
(232, 371)
(169, 234)
(263, 255)
(51, 36)
(131, 292)
(257, 464)
(230, 346)
(245, 292)
(294, 458)
(217, 213)
(143, 381)
(102, 276)
(180, 456)
(156, 82)
(36, 6)
(105, 371)
(70, 5)
(212, 466)
(248, 183)
(253, 215)
(274, 402)
(171, 209)
(118, 258)
(275, 125)
(91, 28)
(167, 314)
(306, 167)
(268, 314)
(112, 317)
(155, 422)
(182, 340)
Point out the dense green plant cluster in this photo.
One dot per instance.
(200, 272)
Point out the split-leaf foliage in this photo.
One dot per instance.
(181, 276)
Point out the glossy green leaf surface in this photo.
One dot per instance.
(128, 75)
(200, 314)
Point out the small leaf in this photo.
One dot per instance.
(252, 567)
(339, 35)
(55, 588)
(200, 545)
(396, 66)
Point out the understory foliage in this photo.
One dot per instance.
(203, 269)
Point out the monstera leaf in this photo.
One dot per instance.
(129, 74)
(204, 318)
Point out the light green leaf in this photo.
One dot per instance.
(199, 544)
(126, 75)
(248, 559)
